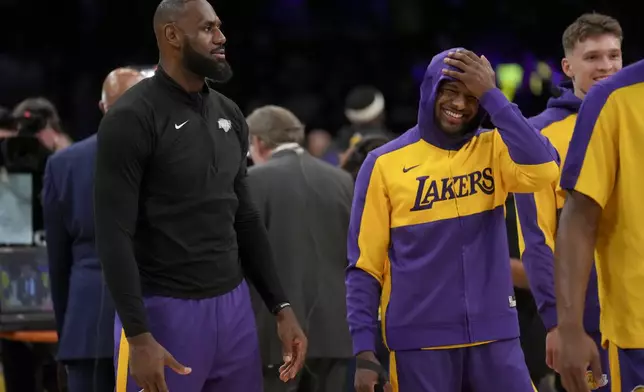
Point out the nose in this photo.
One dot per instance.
(219, 38)
(459, 101)
(605, 64)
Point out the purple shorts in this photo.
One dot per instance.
(491, 367)
(626, 369)
(216, 337)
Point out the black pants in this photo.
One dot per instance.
(90, 375)
(318, 375)
(533, 336)
(29, 367)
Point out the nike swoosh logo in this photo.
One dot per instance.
(406, 169)
(180, 125)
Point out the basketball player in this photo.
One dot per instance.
(177, 232)
(603, 213)
(427, 238)
(592, 47)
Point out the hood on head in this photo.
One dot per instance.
(566, 100)
(430, 132)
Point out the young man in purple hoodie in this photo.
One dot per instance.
(427, 239)
(592, 46)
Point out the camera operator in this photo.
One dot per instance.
(38, 134)
(28, 136)
(38, 117)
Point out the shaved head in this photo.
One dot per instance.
(116, 83)
(168, 11)
(190, 41)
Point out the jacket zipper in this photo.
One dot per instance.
(203, 111)
(462, 245)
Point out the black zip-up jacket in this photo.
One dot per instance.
(173, 212)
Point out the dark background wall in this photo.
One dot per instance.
(304, 54)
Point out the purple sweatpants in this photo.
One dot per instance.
(216, 337)
(493, 367)
(626, 369)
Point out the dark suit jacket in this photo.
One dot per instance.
(83, 307)
(305, 204)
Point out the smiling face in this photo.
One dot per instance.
(591, 60)
(593, 50)
(455, 107)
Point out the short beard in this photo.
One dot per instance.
(216, 70)
(468, 128)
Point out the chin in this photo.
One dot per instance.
(450, 129)
(221, 73)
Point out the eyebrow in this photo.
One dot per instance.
(597, 51)
(210, 22)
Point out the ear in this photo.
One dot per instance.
(259, 143)
(172, 35)
(566, 68)
(101, 107)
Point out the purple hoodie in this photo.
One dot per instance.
(538, 215)
(427, 240)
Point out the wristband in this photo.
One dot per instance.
(383, 376)
(279, 307)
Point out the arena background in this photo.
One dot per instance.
(302, 54)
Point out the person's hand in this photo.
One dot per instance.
(553, 345)
(148, 360)
(294, 344)
(476, 72)
(367, 379)
(574, 352)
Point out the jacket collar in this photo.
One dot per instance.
(161, 77)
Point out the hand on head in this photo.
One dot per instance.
(475, 72)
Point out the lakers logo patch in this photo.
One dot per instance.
(639, 388)
(592, 384)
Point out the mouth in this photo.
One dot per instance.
(219, 53)
(598, 78)
(452, 116)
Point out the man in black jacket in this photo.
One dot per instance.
(176, 230)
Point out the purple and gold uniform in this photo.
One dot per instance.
(605, 163)
(427, 242)
(537, 215)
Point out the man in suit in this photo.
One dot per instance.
(305, 204)
(82, 305)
